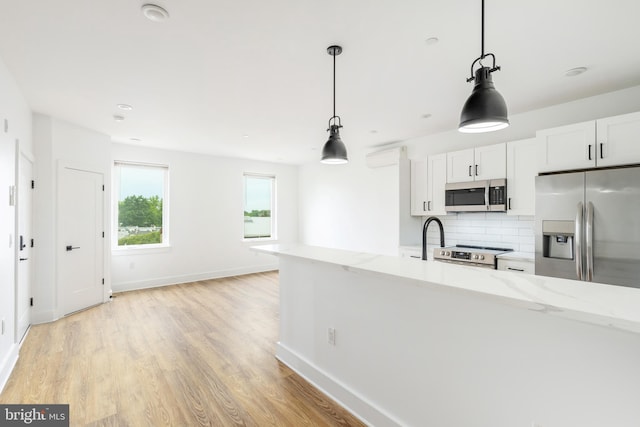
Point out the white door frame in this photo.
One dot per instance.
(93, 168)
(19, 335)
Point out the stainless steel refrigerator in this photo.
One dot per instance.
(588, 226)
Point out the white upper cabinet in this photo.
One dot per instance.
(521, 177)
(488, 162)
(419, 192)
(491, 161)
(437, 178)
(567, 147)
(605, 142)
(460, 166)
(428, 177)
(618, 140)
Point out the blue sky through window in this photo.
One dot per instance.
(141, 181)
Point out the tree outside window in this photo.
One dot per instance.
(141, 204)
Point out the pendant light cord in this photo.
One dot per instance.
(334, 51)
(482, 32)
(334, 84)
(482, 56)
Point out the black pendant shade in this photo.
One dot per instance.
(334, 151)
(485, 109)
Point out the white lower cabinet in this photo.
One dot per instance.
(516, 265)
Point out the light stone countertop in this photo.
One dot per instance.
(610, 306)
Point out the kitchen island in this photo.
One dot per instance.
(400, 342)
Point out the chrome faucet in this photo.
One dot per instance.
(424, 235)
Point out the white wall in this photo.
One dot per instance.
(57, 142)
(355, 208)
(17, 136)
(205, 220)
(350, 206)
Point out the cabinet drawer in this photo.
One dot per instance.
(516, 266)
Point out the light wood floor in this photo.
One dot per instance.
(186, 355)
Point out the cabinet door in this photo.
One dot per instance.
(460, 166)
(567, 147)
(419, 191)
(521, 177)
(490, 162)
(618, 140)
(516, 266)
(437, 178)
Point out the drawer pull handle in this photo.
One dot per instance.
(515, 269)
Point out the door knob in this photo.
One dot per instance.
(70, 248)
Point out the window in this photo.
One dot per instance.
(259, 204)
(141, 212)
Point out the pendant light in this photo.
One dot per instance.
(334, 151)
(485, 109)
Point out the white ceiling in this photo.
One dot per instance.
(252, 78)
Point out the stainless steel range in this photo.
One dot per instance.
(478, 256)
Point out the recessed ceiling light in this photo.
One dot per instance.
(118, 118)
(575, 71)
(154, 13)
(431, 41)
(125, 107)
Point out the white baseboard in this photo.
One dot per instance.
(45, 316)
(186, 278)
(7, 365)
(365, 410)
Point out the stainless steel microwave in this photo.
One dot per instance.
(476, 196)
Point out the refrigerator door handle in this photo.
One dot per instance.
(589, 238)
(578, 246)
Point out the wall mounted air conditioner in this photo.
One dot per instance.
(388, 157)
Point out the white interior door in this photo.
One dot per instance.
(24, 246)
(7, 242)
(80, 239)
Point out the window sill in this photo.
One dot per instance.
(140, 250)
(260, 240)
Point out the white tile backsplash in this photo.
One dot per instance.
(495, 229)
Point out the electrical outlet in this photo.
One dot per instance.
(331, 336)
